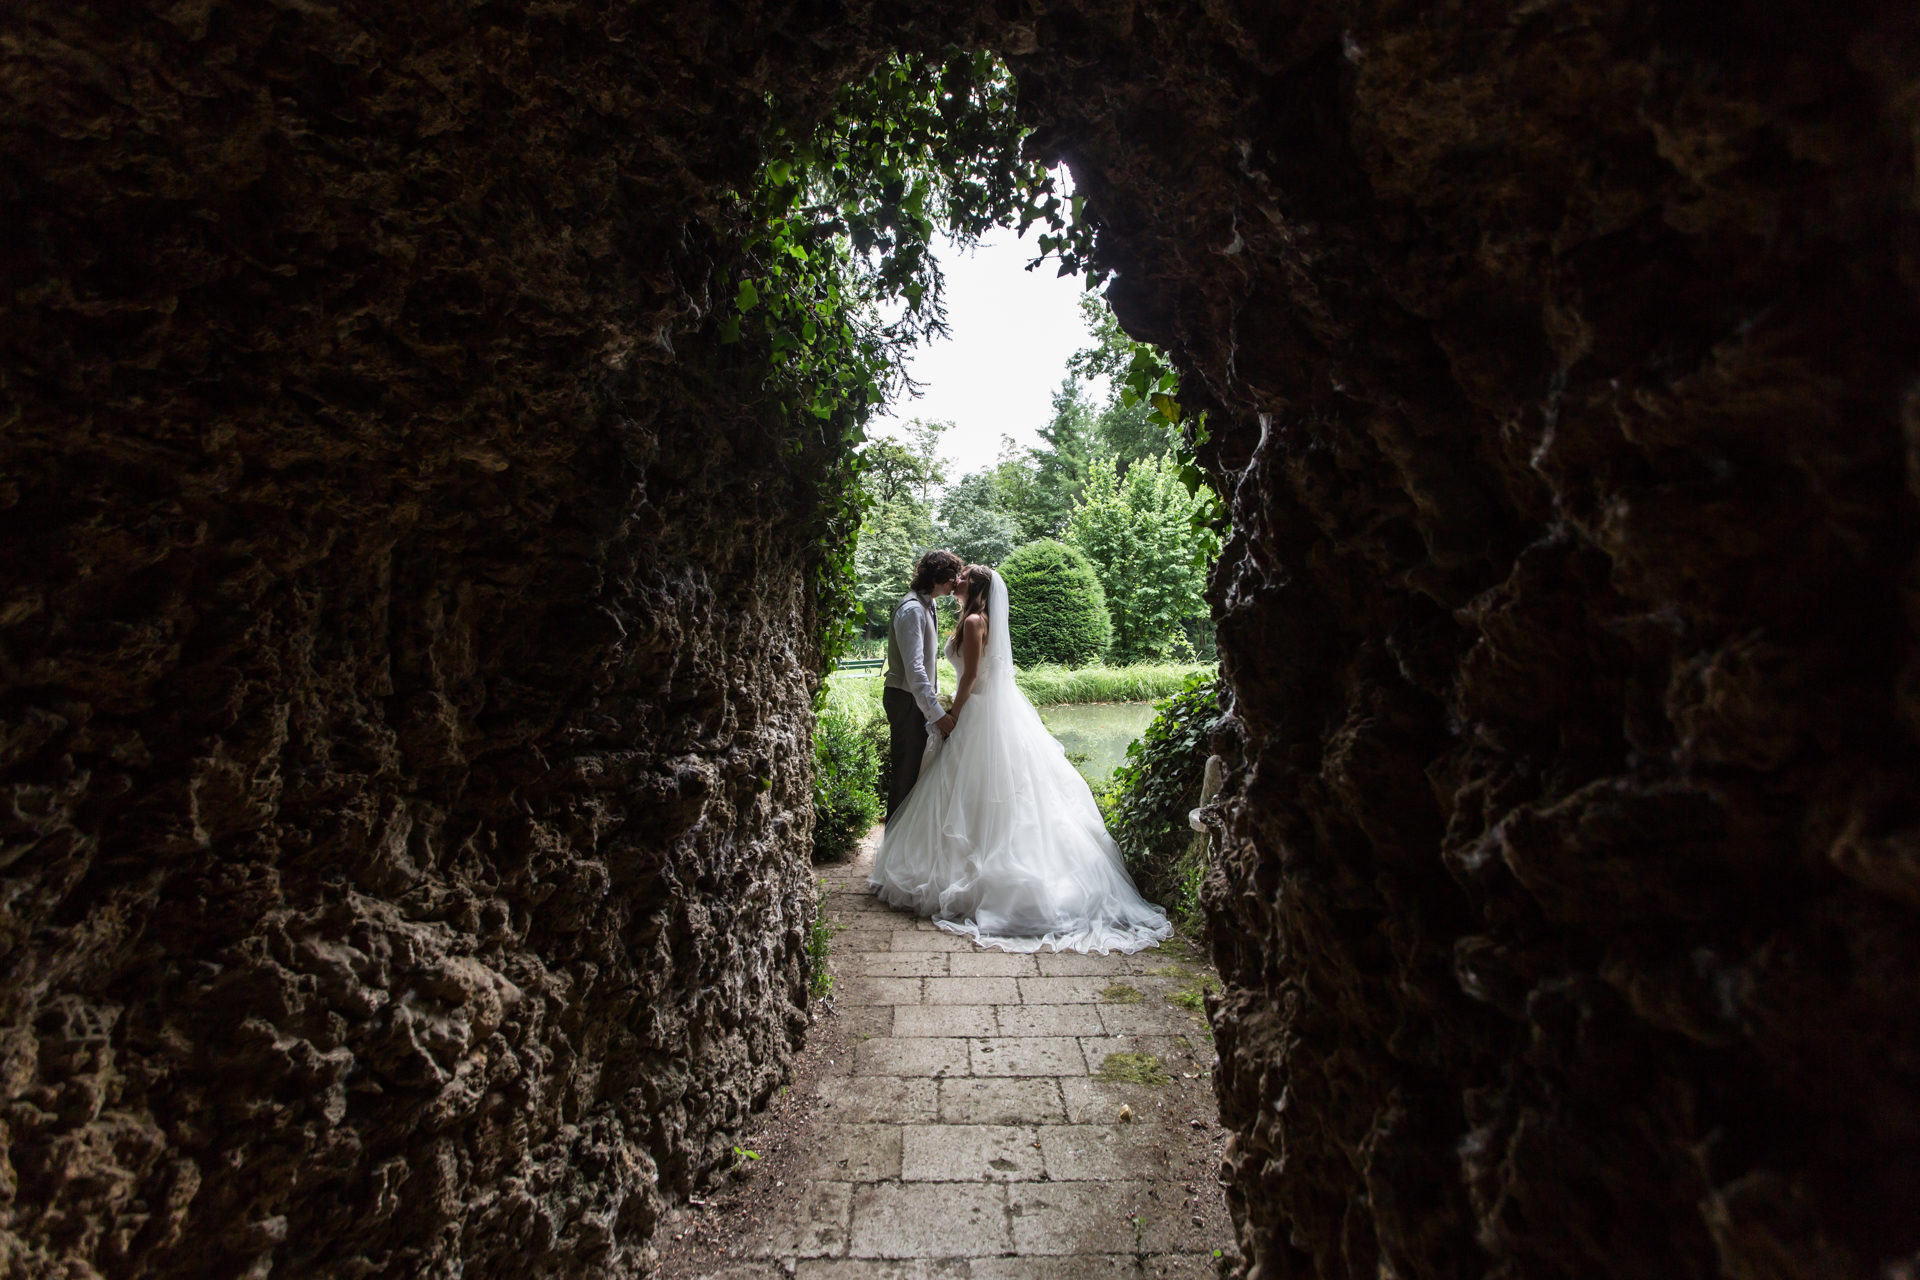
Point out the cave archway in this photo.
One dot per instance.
(406, 671)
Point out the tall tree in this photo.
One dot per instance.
(900, 479)
(910, 468)
(1013, 480)
(890, 473)
(1138, 531)
(892, 537)
(1060, 463)
(923, 442)
(973, 521)
(1130, 432)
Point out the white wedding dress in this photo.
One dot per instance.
(1001, 840)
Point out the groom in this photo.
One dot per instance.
(911, 696)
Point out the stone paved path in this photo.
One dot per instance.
(968, 1134)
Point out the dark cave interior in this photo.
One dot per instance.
(407, 671)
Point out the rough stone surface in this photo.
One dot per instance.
(1561, 364)
(405, 653)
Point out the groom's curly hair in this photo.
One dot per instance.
(936, 567)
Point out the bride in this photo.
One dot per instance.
(1000, 839)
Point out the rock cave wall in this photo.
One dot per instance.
(407, 648)
(1561, 363)
(406, 643)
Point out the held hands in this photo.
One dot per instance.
(945, 724)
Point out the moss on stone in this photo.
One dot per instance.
(1132, 1068)
(1193, 996)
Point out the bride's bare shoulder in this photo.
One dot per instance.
(975, 624)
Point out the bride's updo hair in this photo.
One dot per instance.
(978, 580)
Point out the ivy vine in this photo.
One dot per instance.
(838, 279)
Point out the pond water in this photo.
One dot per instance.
(1101, 731)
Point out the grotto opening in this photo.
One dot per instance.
(408, 661)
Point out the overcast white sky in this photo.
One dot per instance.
(1012, 331)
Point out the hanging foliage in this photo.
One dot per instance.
(839, 280)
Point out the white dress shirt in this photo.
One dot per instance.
(915, 634)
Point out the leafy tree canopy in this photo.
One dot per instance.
(912, 469)
(1139, 533)
(1060, 463)
(892, 538)
(837, 280)
(973, 522)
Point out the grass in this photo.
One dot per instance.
(1142, 683)
(1120, 993)
(1133, 1068)
(1193, 997)
(860, 695)
(819, 943)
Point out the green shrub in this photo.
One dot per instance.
(878, 737)
(1059, 609)
(845, 772)
(1147, 804)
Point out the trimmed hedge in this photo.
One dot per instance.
(846, 798)
(1059, 608)
(1147, 803)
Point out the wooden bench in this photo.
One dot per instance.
(862, 666)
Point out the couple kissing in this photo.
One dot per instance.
(991, 832)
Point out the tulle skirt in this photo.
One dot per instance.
(1001, 840)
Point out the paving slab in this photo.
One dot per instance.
(1074, 1217)
(1097, 1049)
(1049, 1020)
(929, 940)
(1179, 1266)
(974, 990)
(855, 941)
(978, 1101)
(1090, 1101)
(1097, 1152)
(883, 1269)
(1059, 990)
(854, 1152)
(865, 1021)
(858, 990)
(878, 1100)
(1074, 1267)
(1027, 1056)
(990, 964)
(970, 1153)
(920, 1056)
(1071, 964)
(901, 964)
(945, 1020)
(1149, 1017)
(929, 1220)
